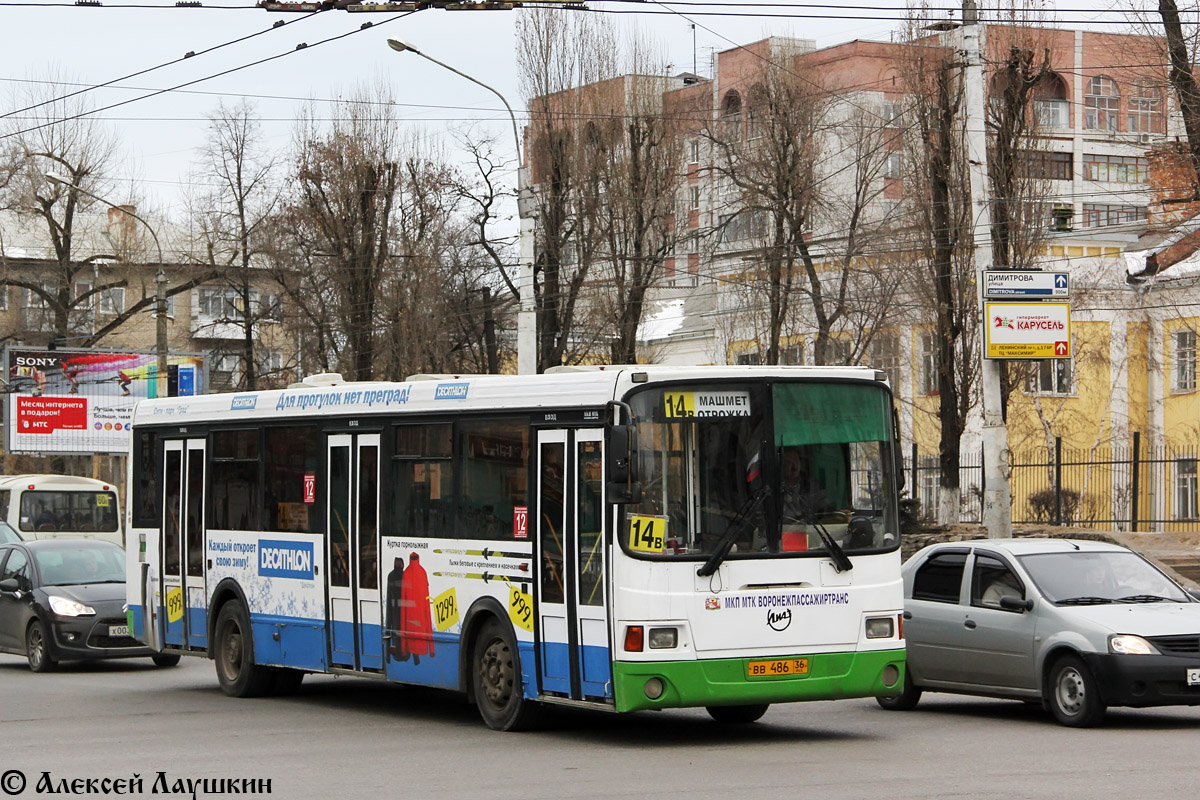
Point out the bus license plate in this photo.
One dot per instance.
(118, 630)
(1193, 676)
(777, 666)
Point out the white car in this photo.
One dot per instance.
(1077, 625)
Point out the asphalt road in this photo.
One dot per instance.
(349, 739)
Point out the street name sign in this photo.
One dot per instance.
(1024, 284)
(1027, 330)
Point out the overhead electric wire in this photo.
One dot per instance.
(191, 54)
(299, 48)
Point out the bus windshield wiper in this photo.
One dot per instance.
(752, 504)
(1084, 601)
(841, 562)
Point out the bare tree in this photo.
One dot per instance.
(346, 178)
(1183, 81)
(230, 212)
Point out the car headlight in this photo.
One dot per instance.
(66, 607)
(1130, 645)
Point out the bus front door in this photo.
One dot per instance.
(572, 603)
(352, 576)
(184, 602)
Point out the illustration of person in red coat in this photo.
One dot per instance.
(416, 620)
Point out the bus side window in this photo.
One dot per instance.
(233, 481)
(422, 480)
(147, 469)
(290, 454)
(494, 457)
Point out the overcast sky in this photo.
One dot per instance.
(159, 135)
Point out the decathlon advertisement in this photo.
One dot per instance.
(81, 401)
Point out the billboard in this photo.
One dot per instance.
(1027, 330)
(81, 401)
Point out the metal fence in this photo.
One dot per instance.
(1128, 487)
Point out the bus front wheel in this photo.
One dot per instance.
(237, 673)
(496, 679)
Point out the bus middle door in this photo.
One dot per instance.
(355, 622)
(573, 640)
(183, 592)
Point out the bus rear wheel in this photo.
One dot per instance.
(496, 680)
(737, 715)
(237, 673)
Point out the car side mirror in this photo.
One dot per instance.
(1194, 593)
(1010, 602)
(10, 586)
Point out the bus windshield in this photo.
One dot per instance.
(774, 469)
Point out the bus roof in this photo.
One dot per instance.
(44, 481)
(570, 387)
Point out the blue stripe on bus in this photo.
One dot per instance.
(197, 627)
(136, 622)
(556, 669)
(439, 669)
(301, 642)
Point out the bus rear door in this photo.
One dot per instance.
(572, 603)
(352, 575)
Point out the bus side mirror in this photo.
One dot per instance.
(621, 466)
(897, 454)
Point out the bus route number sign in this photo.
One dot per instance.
(647, 533)
(175, 604)
(520, 608)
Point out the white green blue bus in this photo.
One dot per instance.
(619, 538)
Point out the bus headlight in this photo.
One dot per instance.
(880, 627)
(663, 638)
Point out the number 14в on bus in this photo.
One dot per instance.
(619, 538)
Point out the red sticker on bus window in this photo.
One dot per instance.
(520, 522)
(310, 488)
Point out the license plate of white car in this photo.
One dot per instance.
(1193, 676)
(123, 630)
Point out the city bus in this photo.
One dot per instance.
(617, 538)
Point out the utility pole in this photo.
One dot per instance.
(997, 500)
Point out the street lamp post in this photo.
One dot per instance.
(526, 314)
(160, 283)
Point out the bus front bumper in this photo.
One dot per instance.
(726, 681)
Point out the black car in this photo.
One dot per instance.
(64, 599)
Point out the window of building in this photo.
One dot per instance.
(940, 578)
(112, 301)
(792, 354)
(1115, 169)
(891, 112)
(1052, 113)
(3, 298)
(1185, 360)
(1100, 215)
(693, 197)
(885, 355)
(1185, 489)
(929, 369)
(1046, 165)
(731, 115)
(1051, 376)
(219, 303)
(694, 151)
(837, 351)
(233, 481)
(1145, 110)
(894, 166)
(1102, 104)
(747, 358)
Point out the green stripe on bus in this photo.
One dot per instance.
(708, 682)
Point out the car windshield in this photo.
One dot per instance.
(763, 469)
(7, 534)
(87, 563)
(1087, 577)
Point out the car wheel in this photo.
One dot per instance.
(496, 677)
(286, 681)
(237, 673)
(737, 715)
(907, 699)
(165, 660)
(1074, 696)
(37, 648)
